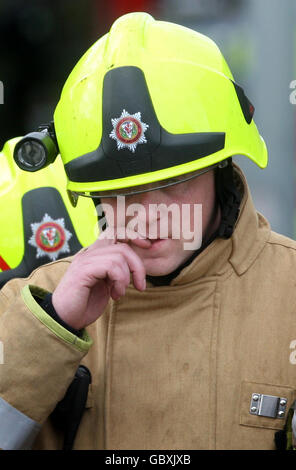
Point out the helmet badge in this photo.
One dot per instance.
(50, 237)
(128, 131)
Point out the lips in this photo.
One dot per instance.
(156, 240)
(141, 242)
(148, 243)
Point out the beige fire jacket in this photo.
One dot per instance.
(173, 367)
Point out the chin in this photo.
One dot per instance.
(163, 257)
(159, 267)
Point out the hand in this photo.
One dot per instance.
(101, 271)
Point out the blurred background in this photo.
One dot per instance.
(41, 41)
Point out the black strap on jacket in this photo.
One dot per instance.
(68, 412)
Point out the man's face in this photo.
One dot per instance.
(187, 212)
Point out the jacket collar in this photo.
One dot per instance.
(239, 251)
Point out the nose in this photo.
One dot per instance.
(143, 206)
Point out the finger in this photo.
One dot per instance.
(133, 237)
(106, 238)
(96, 265)
(135, 265)
(119, 280)
(113, 266)
(117, 290)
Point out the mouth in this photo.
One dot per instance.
(157, 240)
(148, 243)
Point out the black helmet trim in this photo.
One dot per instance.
(125, 89)
(246, 106)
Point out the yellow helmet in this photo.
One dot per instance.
(38, 223)
(149, 101)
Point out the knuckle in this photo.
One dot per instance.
(129, 252)
(124, 247)
(121, 259)
(111, 264)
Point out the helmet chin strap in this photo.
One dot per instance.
(229, 198)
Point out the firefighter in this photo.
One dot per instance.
(188, 347)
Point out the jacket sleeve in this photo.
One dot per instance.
(39, 358)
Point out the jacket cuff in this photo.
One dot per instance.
(82, 344)
(40, 361)
(47, 305)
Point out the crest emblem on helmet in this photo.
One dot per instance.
(50, 237)
(128, 131)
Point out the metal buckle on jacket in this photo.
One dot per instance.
(285, 439)
(268, 405)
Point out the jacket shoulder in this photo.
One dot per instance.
(46, 276)
(279, 258)
(281, 240)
